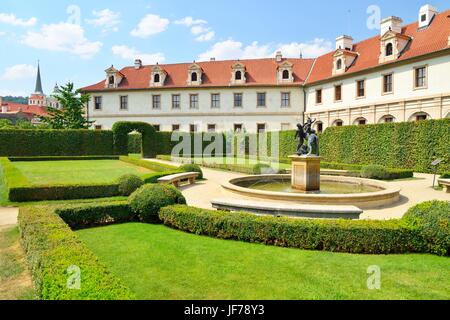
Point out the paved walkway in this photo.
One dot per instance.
(8, 216)
(414, 191)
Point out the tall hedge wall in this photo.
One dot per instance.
(19, 143)
(412, 145)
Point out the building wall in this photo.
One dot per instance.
(140, 109)
(402, 104)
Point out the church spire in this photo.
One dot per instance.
(38, 89)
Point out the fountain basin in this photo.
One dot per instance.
(367, 194)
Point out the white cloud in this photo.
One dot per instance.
(128, 53)
(150, 25)
(196, 30)
(106, 19)
(19, 71)
(189, 21)
(2, 33)
(310, 49)
(62, 37)
(206, 37)
(231, 49)
(11, 19)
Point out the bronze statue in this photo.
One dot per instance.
(307, 132)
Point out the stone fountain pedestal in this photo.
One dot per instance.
(306, 173)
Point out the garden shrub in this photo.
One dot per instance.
(135, 143)
(30, 143)
(93, 215)
(151, 165)
(192, 168)
(446, 175)
(375, 172)
(149, 199)
(153, 177)
(432, 220)
(61, 158)
(51, 248)
(263, 168)
(352, 236)
(129, 183)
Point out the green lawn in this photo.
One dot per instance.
(160, 263)
(76, 172)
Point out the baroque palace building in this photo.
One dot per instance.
(402, 74)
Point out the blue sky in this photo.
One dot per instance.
(77, 40)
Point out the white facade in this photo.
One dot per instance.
(140, 108)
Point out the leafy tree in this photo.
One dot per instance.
(70, 115)
(5, 124)
(24, 124)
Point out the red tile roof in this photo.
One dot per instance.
(16, 107)
(262, 72)
(431, 39)
(215, 74)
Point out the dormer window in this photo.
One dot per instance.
(285, 72)
(111, 80)
(238, 74)
(389, 49)
(113, 77)
(195, 73)
(339, 64)
(158, 76)
(342, 60)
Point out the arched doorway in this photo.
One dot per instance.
(149, 139)
(419, 116)
(387, 119)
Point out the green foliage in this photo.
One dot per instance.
(29, 143)
(94, 215)
(412, 145)
(149, 138)
(25, 125)
(71, 115)
(128, 184)
(192, 168)
(352, 236)
(153, 177)
(6, 124)
(432, 220)
(263, 168)
(61, 158)
(445, 175)
(374, 172)
(69, 192)
(149, 199)
(135, 143)
(51, 248)
(20, 100)
(151, 165)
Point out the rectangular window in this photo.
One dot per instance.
(360, 88)
(421, 77)
(98, 127)
(176, 101)
(319, 96)
(175, 127)
(193, 101)
(215, 100)
(261, 99)
(123, 102)
(98, 103)
(261, 127)
(193, 128)
(238, 100)
(211, 128)
(157, 127)
(156, 102)
(285, 99)
(238, 127)
(338, 93)
(319, 127)
(387, 83)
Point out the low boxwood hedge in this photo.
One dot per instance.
(368, 237)
(151, 165)
(52, 248)
(94, 215)
(62, 158)
(129, 183)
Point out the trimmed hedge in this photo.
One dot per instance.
(69, 192)
(149, 138)
(192, 168)
(61, 158)
(30, 143)
(368, 237)
(51, 248)
(135, 143)
(445, 175)
(94, 215)
(151, 165)
(128, 184)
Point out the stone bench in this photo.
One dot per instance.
(445, 183)
(290, 210)
(175, 179)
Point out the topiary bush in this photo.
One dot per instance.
(129, 183)
(432, 220)
(149, 199)
(192, 168)
(375, 172)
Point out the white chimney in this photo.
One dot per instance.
(391, 23)
(426, 15)
(4, 109)
(344, 42)
(213, 59)
(279, 56)
(137, 64)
